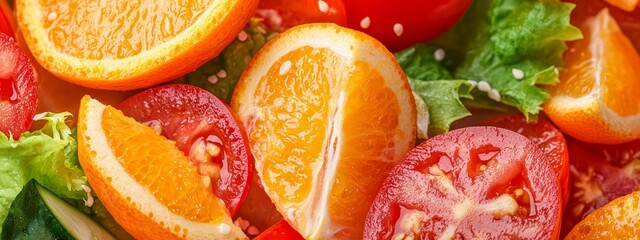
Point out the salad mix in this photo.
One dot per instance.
(320, 119)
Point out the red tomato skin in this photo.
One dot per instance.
(599, 174)
(5, 25)
(295, 12)
(187, 113)
(421, 20)
(408, 186)
(548, 138)
(18, 90)
(280, 231)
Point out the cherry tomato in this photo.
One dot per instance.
(629, 21)
(281, 15)
(600, 174)
(548, 138)
(281, 231)
(401, 24)
(18, 89)
(5, 25)
(204, 128)
(475, 182)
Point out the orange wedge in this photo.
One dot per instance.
(123, 45)
(329, 112)
(147, 184)
(597, 98)
(627, 5)
(619, 219)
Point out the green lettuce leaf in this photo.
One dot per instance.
(49, 155)
(443, 99)
(233, 60)
(495, 38)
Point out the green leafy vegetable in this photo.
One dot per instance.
(233, 60)
(49, 155)
(493, 42)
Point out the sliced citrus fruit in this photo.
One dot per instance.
(147, 184)
(597, 98)
(627, 5)
(121, 45)
(619, 219)
(329, 112)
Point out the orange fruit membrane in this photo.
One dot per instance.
(124, 45)
(329, 112)
(147, 184)
(627, 5)
(619, 219)
(597, 98)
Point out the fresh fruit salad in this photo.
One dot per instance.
(320, 119)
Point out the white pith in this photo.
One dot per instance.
(311, 217)
(122, 183)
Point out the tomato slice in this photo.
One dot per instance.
(475, 182)
(281, 15)
(600, 174)
(280, 231)
(18, 89)
(401, 24)
(548, 138)
(205, 129)
(5, 25)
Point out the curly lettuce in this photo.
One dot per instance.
(515, 46)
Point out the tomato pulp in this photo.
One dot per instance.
(204, 128)
(483, 182)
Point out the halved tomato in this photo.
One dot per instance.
(600, 174)
(548, 138)
(203, 127)
(5, 25)
(18, 88)
(470, 183)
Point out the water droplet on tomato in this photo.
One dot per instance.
(8, 90)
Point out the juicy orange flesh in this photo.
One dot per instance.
(161, 168)
(289, 133)
(116, 29)
(627, 5)
(370, 124)
(606, 56)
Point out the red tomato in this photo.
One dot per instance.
(258, 207)
(600, 174)
(5, 25)
(281, 231)
(18, 89)
(475, 182)
(204, 128)
(629, 21)
(401, 24)
(283, 14)
(548, 138)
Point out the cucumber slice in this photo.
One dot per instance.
(36, 213)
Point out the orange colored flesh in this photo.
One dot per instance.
(364, 162)
(619, 219)
(627, 5)
(298, 128)
(160, 167)
(115, 29)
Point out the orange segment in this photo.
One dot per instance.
(329, 112)
(596, 100)
(627, 5)
(619, 219)
(144, 181)
(130, 44)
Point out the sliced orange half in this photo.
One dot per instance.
(597, 98)
(329, 112)
(123, 45)
(147, 184)
(619, 219)
(627, 5)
